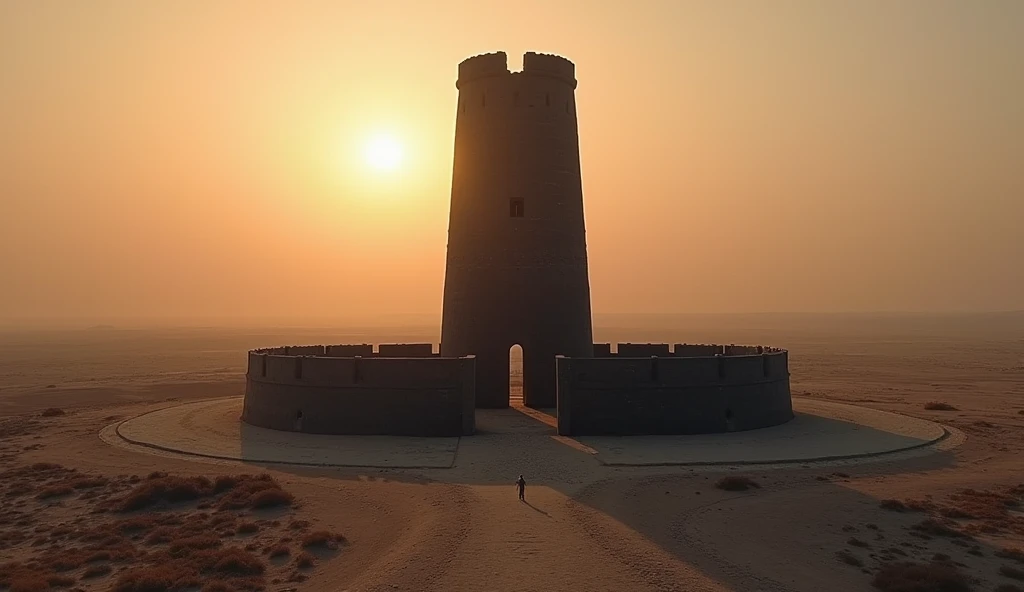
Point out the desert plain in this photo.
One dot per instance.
(81, 514)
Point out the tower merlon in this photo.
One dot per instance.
(547, 64)
(483, 65)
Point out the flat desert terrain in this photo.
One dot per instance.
(80, 514)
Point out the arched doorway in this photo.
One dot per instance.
(515, 375)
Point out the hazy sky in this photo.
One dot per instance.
(205, 158)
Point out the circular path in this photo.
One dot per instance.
(822, 431)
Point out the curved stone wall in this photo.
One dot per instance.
(335, 390)
(690, 389)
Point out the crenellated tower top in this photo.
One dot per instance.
(535, 64)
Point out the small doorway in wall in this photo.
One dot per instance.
(515, 375)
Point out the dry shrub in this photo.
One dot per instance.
(305, 560)
(29, 583)
(87, 482)
(1011, 553)
(933, 527)
(52, 412)
(849, 558)
(217, 586)
(247, 491)
(99, 556)
(939, 406)
(247, 528)
(855, 542)
(95, 571)
(280, 551)
(1012, 572)
(161, 535)
(238, 562)
(298, 524)
(322, 538)
(136, 524)
(918, 577)
(56, 581)
(736, 483)
(893, 505)
(180, 547)
(54, 491)
(159, 578)
(165, 489)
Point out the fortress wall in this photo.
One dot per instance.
(680, 371)
(429, 396)
(349, 351)
(641, 350)
(623, 396)
(743, 350)
(406, 350)
(329, 371)
(602, 350)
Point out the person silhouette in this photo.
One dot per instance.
(521, 484)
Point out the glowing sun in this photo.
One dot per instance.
(383, 153)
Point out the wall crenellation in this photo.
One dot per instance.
(393, 350)
(534, 64)
(680, 350)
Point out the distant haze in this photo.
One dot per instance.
(202, 159)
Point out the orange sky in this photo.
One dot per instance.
(203, 158)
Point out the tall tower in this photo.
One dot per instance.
(517, 253)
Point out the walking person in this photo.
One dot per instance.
(521, 484)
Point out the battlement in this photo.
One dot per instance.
(483, 65)
(366, 350)
(534, 64)
(549, 65)
(680, 350)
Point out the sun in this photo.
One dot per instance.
(383, 153)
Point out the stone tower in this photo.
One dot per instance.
(517, 254)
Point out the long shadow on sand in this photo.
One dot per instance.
(806, 527)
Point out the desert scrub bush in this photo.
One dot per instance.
(736, 483)
(165, 489)
(1011, 572)
(1011, 553)
(305, 560)
(933, 527)
(96, 571)
(247, 528)
(57, 581)
(247, 491)
(920, 577)
(52, 412)
(54, 491)
(156, 579)
(185, 546)
(280, 551)
(855, 542)
(939, 406)
(322, 538)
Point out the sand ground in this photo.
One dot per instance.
(584, 526)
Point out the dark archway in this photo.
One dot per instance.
(515, 374)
